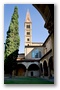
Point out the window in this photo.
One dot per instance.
(36, 53)
(27, 26)
(31, 73)
(28, 33)
(28, 39)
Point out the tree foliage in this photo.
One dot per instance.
(12, 41)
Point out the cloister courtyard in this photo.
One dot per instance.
(35, 64)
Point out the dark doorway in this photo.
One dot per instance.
(33, 68)
(51, 65)
(45, 68)
(41, 69)
(21, 69)
(31, 73)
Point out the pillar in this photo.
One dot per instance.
(13, 73)
(48, 72)
(26, 72)
(43, 72)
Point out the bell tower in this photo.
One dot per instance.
(28, 29)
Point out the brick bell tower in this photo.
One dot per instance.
(28, 29)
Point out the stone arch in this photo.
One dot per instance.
(50, 64)
(33, 70)
(33, 67)
(45, 68)
(46, 10)
(30, 63)
(21, 69)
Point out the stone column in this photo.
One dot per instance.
(26, 72)
(43, 72)
(52, 40)
(13, 73)
(39, 70)
(48, 72)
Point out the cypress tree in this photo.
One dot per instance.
(12, 42)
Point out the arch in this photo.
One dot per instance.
(21, 69)
(40, 10)
(47, 12)
(33, 67)
(45, 67)
(50, 64)
(33, 70)
(45, 8)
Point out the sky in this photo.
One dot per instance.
(39, 33)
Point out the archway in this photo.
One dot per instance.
(45, 67)
(47, 12)
(50, 64)
(21, 69)
(33, 70)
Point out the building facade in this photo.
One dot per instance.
(37, 59)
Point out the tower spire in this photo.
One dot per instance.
(28, 29)
(28, 18)
(27, 10)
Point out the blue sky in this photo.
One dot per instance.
(39, 33)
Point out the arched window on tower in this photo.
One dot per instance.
(28, 33)
(27, 26)
(27, 39)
